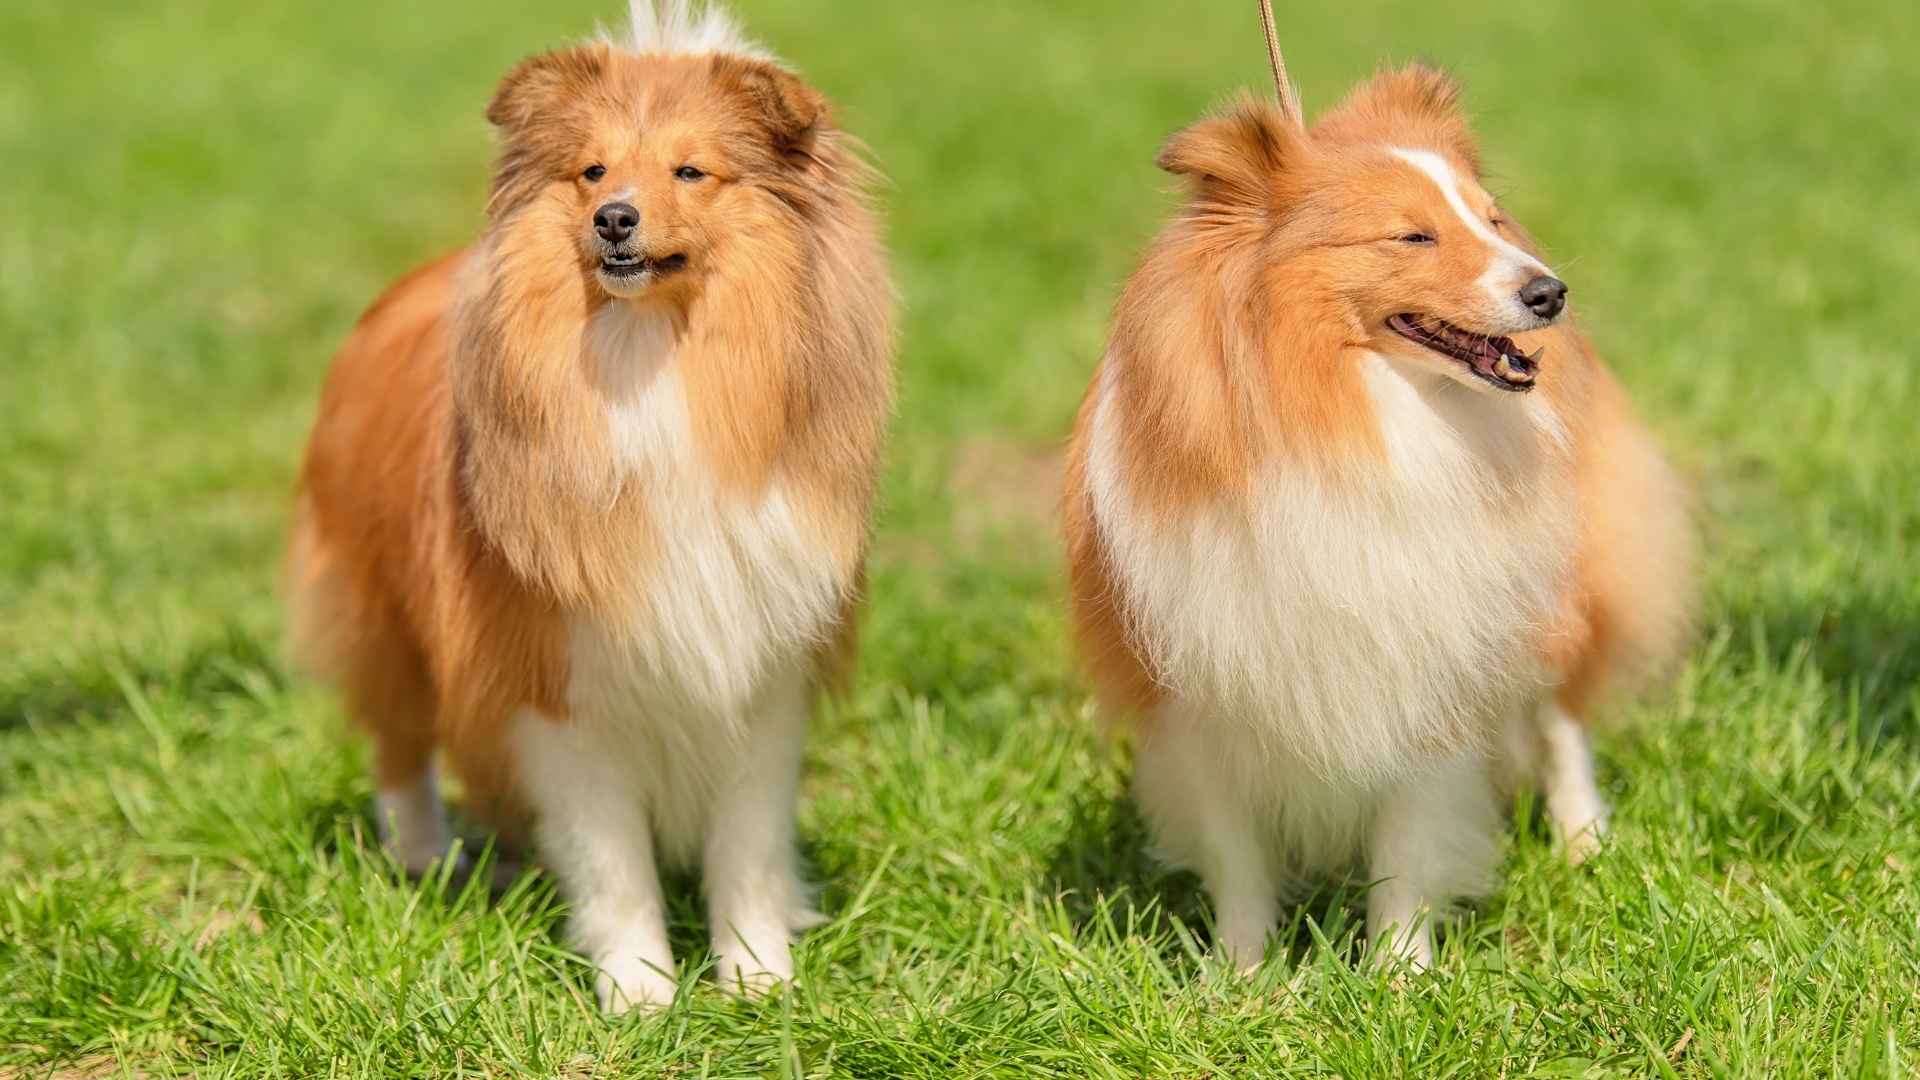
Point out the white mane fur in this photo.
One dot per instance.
(686, 27)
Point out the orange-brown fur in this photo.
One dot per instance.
(1263, 262)
(458, 501)
(1336, 543)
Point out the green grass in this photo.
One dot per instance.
(197, 197)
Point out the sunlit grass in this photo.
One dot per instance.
(197, 198)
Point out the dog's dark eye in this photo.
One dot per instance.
(688, 173)
(1416, 238)
(594, 173)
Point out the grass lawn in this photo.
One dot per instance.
(197, 197)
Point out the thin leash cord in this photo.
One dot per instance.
(1289, 100)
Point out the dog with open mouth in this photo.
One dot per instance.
(1360, 531)
(585, 506)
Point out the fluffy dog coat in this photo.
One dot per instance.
(586, 505)
(1346, 588)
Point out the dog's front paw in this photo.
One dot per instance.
(628, 982)
(1242, 960)
(1400, 940)
(422, 859)
(1586, 841)
(1241, 932)
(753, 970)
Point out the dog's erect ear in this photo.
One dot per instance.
(539, 84)
(793, 113)
(1237, 153)
(1418, 104)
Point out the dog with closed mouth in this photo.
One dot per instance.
(585, 507)
(1360, 531)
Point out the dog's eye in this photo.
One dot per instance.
(688, 173)
(594, 173)
(1416, 238)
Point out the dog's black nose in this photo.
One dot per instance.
(616, 221)
(1545, 295)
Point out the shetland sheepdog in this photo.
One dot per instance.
(586, 504)
(1360, 530)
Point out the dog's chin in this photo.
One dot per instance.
(628, 276)
(624, 285)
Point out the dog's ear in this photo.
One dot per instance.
(793, 114)
(1418, 104)
(539, 84)
(1236, 154)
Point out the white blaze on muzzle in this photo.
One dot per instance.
(1509, 268)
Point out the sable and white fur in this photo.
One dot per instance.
(587, 512)
(1348, 592)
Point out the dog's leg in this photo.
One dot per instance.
(1202, 823)
(389, 695)
(755, 898)
(1567, 779)
(413, 819)
(594, 835)
(1435, 838)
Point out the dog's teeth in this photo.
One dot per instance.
(1537, 354)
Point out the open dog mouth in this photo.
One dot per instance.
(1496, 360)
(622, 265)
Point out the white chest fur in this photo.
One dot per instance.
(728, 603)
(736, 586)
(1360, 627)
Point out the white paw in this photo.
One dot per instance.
(1405, 946)
(413, 825)
(1241, 945)
(1243, 965)
(1585, 840)
(422, 857)
(628, 982)
(752, 969)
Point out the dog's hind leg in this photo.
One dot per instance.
(342, 630)
(390, 696)
(1566, 778)
(1546, 748)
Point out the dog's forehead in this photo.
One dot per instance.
(650, 88)
(1432, 174)
(650, 104)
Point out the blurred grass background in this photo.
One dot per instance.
(197, 199)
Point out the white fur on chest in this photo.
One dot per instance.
(735, 586)
(1356, 628)
(729, 602)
